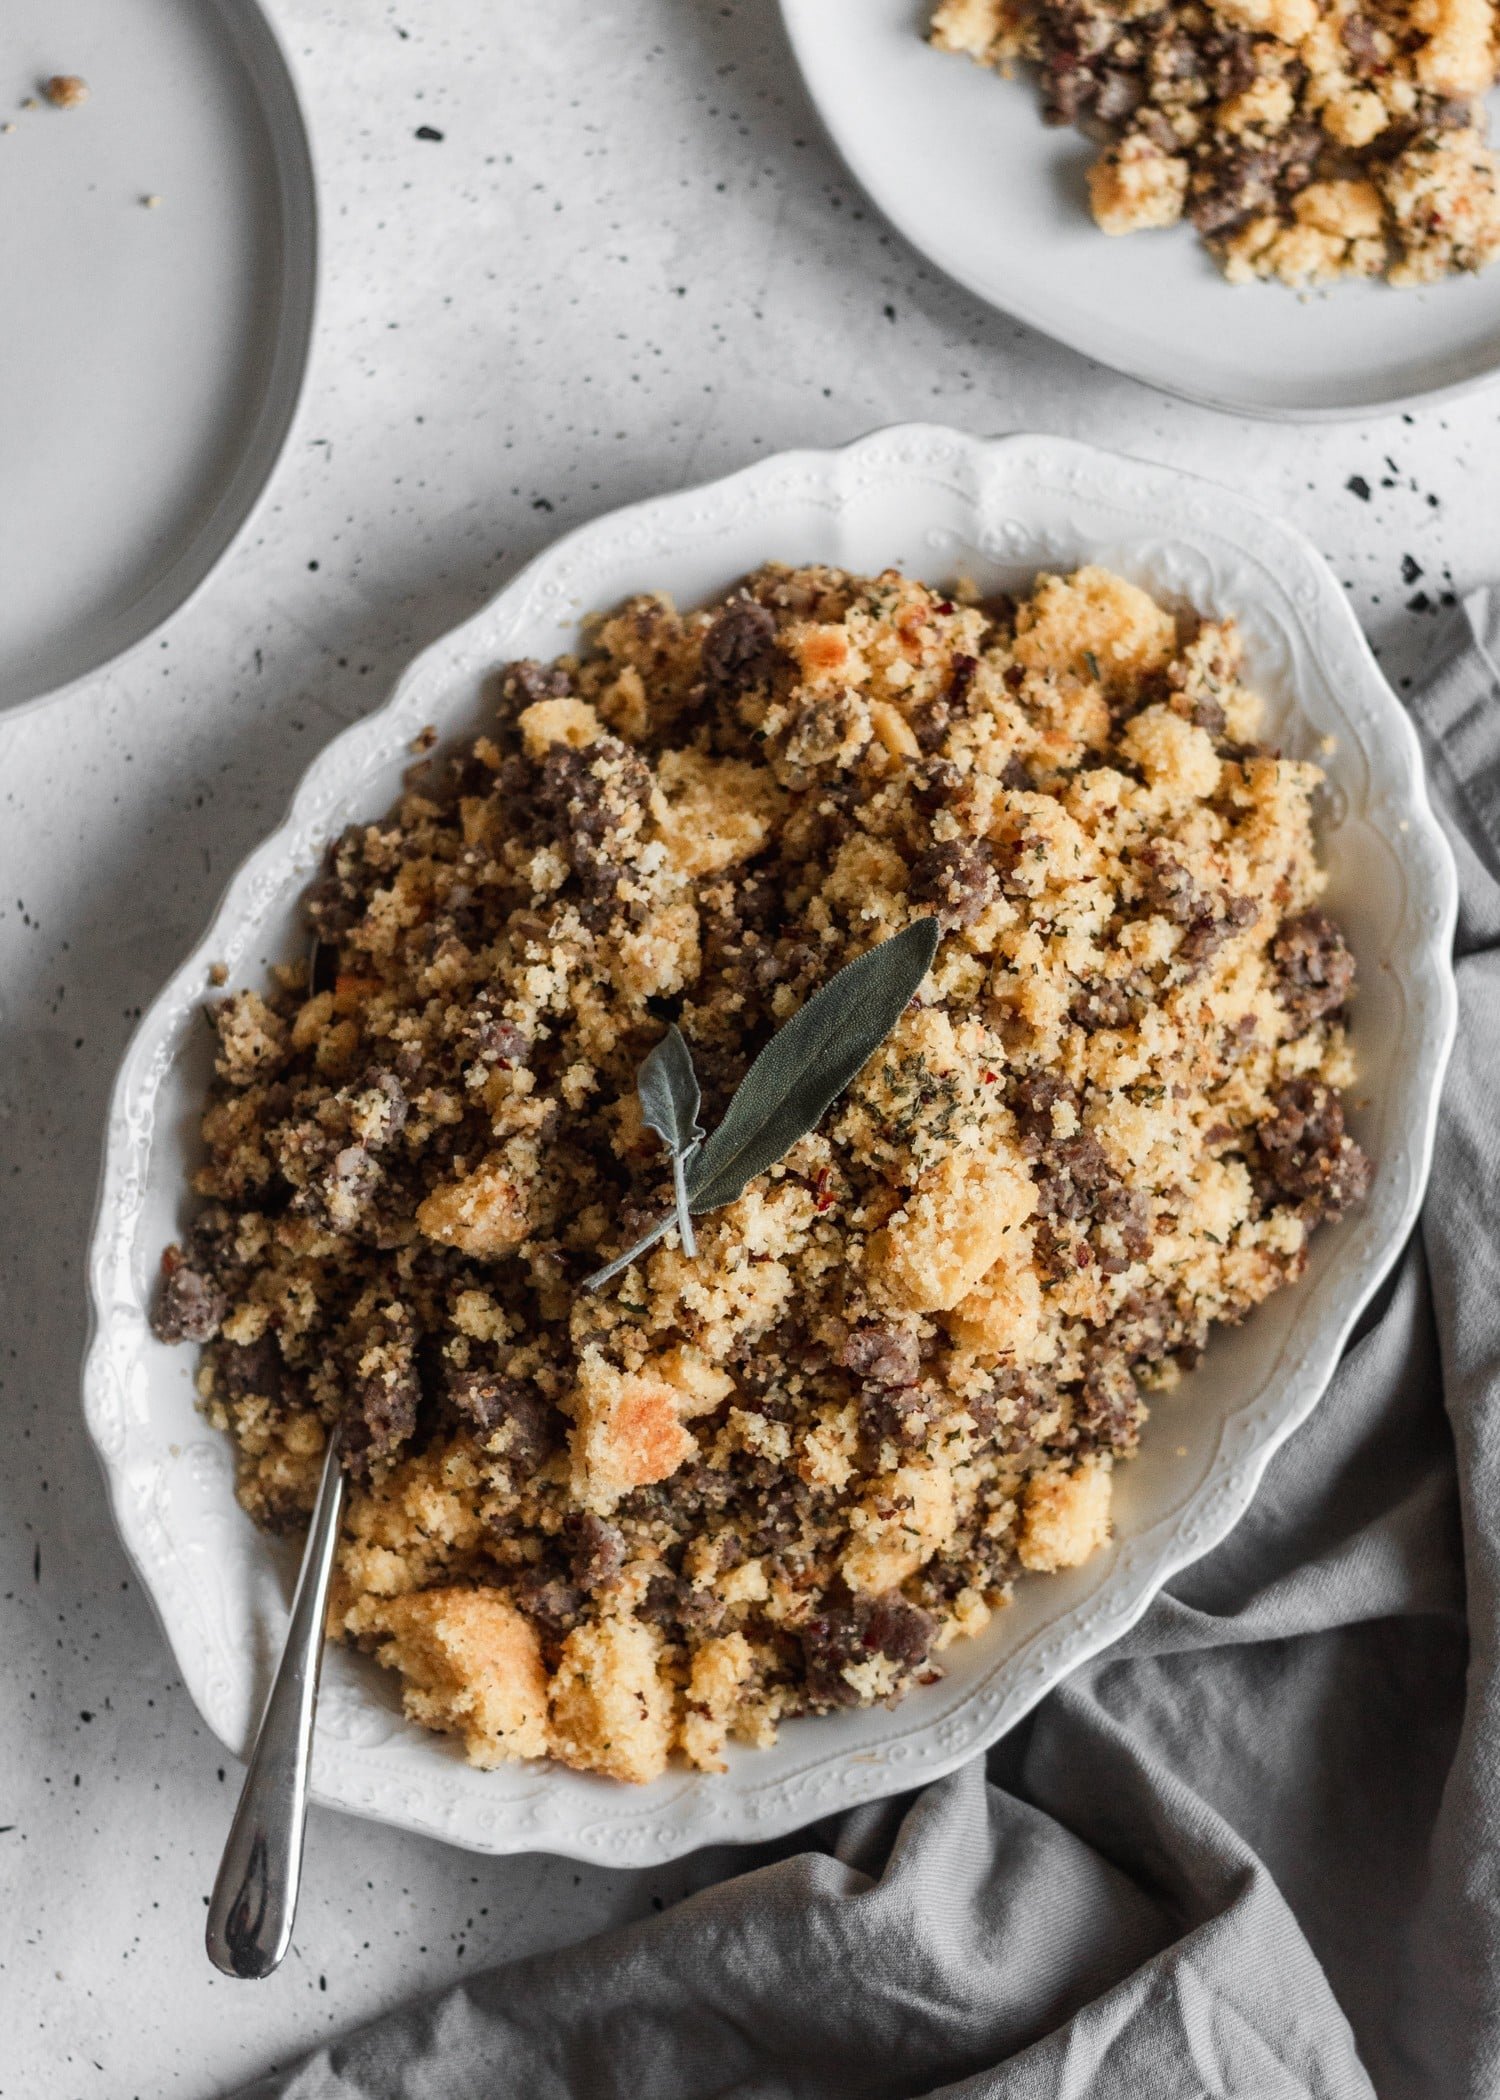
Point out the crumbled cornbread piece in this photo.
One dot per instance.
(252, 1039)
(978, 27)
(1336, 231)
(66, 90)
(1134, 184)
(1445, 200)
(626, 1432)
(485, 1213)
(716, 811)
(1288, 21)
(784, 1474)
(565, 721)
(721, 1671)
(1457, 54)
(1306, 140)
(471, 1666)
(952, 1228)
(611, 1710)
(906, 1518)
(1066, 1516)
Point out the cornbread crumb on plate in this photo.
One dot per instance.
(785, 1475)
(1305, 140)
(66, 91)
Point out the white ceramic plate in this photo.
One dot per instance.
(153, 356)
(960, 162)
(941, 505)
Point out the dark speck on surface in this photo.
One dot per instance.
(1358, 486)
(426, 131)
(1419, 603)
(1411, 568)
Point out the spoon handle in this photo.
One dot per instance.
(254, 1902)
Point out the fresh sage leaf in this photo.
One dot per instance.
(668, 1089)
(808, 1063)
(787, 1091)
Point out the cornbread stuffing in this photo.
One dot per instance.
(783, 1476)
(1305, 140)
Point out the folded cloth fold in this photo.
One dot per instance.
(1253, 1850)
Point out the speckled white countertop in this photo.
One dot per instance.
(629, 262)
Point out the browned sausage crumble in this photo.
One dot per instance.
(1304, 139)
(785, 1475)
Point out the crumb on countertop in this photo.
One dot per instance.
(66, 90)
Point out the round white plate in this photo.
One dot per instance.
(153, 355)
(941, 505)
(961, 163)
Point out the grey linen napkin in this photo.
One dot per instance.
(1250, 1851)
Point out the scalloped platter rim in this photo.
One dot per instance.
(942, 504)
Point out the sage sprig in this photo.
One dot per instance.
(787, 1091)
(667, 1087)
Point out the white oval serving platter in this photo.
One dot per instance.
(961, 163)
(941, 505)
(154, 352)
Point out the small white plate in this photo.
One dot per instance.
(961, 163)
(153, 354)
(940, 505)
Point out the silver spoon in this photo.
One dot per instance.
(254, 1903)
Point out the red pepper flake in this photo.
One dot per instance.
(989, 1078)
(1083, 1254)
(945, 605)
(822, 1193)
